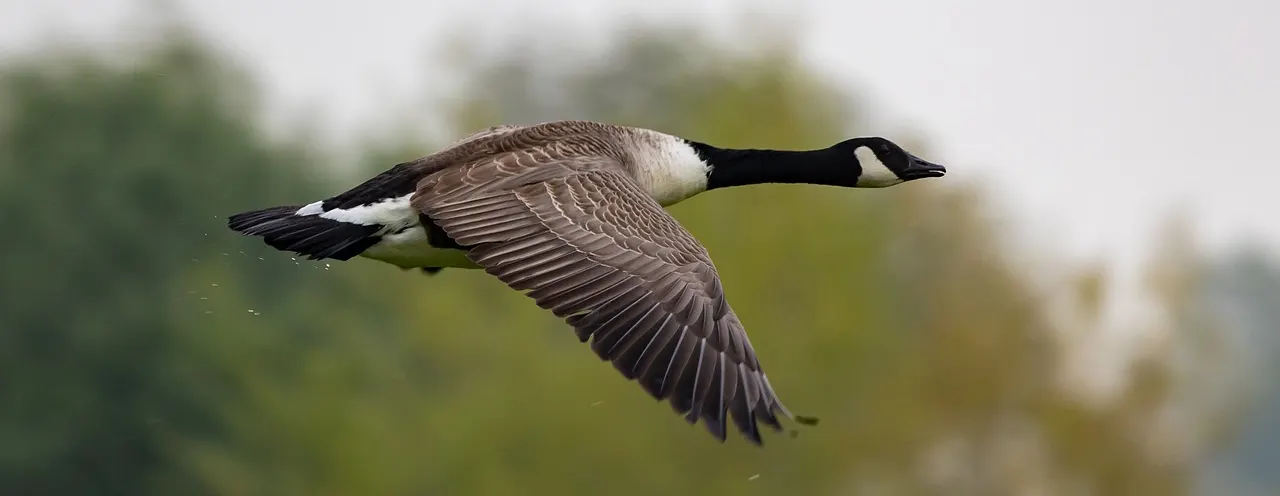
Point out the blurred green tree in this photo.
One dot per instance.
(115, 176)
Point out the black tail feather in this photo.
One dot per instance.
(311, 236)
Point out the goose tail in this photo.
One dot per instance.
(285, 228)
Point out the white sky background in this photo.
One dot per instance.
(1093, 116)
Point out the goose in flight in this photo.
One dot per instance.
(571, 213)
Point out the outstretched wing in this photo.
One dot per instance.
(590, 245)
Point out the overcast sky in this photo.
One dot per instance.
(1093, 116)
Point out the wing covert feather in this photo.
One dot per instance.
(587, 243)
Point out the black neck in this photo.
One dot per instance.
(740, 167)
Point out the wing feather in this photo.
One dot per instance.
(585, 242)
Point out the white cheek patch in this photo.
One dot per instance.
(874, 172)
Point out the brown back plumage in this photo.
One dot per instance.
(553, 210)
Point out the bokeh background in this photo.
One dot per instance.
(1089, 304)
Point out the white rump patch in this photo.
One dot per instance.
(313, 208)
(392, 213)
(874, 173)
(404, 241)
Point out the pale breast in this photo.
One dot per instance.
(410, 249)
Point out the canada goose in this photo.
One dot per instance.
(572, 212)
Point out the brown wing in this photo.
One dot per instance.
(588, 244)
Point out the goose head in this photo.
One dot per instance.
(881, 163)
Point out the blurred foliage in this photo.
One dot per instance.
(148, 350)
(1245, 288)
(113, 178)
